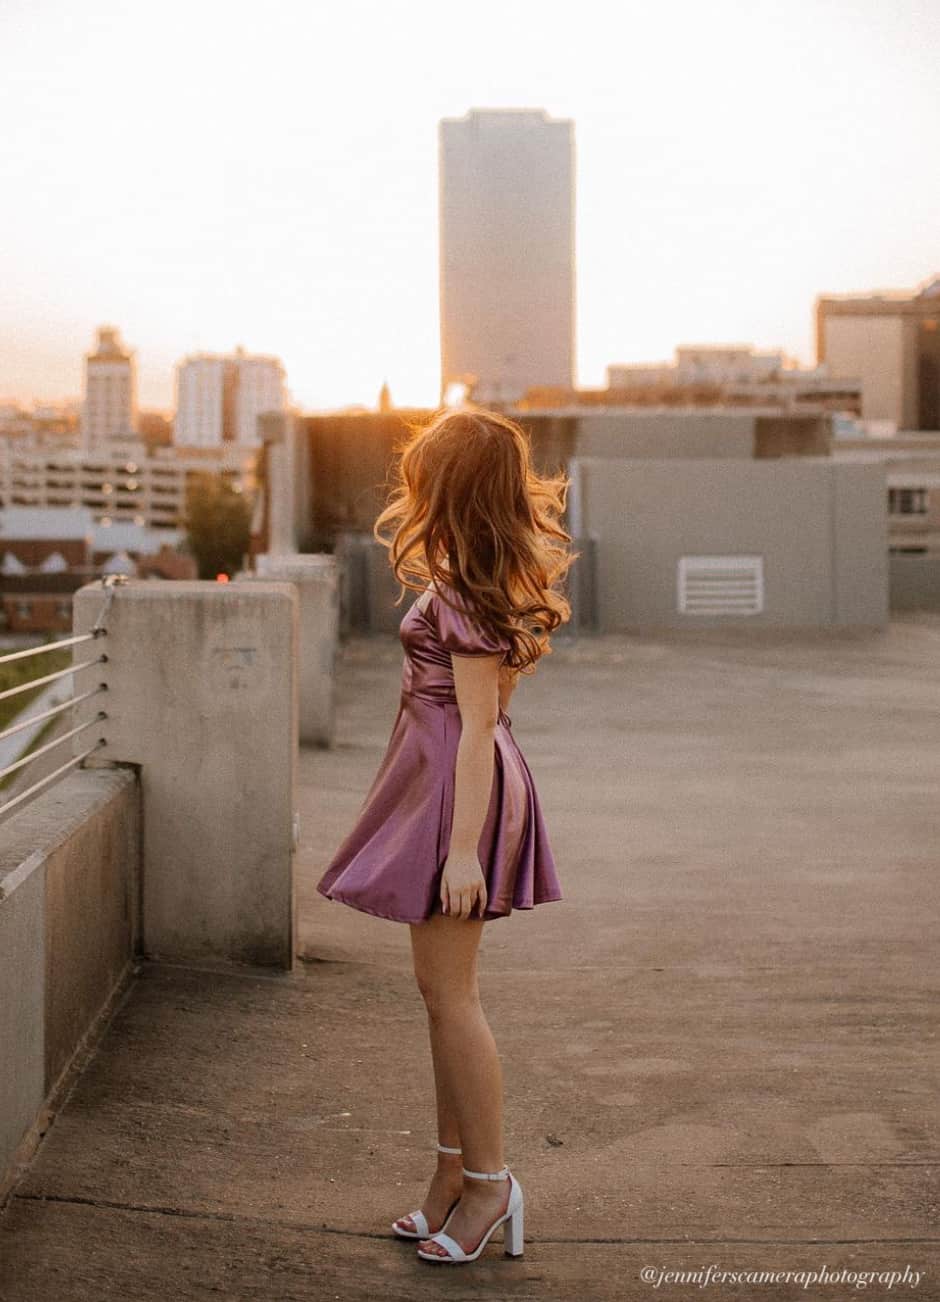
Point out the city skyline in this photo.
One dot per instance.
(731, 165)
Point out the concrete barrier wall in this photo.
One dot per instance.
(203, 696)
(819, 525)
(70, 875)
(915, 580)
(859, 532)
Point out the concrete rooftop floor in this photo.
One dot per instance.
(720, 1048)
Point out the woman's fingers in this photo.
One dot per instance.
(463, 901)
(477, 901)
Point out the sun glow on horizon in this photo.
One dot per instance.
(225, 174)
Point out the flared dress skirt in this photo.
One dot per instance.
(390, 863)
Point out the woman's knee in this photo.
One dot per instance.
(443, 993)
(444, 956)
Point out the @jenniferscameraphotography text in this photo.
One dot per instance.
(712, 1275)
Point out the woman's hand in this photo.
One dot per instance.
(463, 886)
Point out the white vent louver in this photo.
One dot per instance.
(721, 585)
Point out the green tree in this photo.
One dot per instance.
(217, 520)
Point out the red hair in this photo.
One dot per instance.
(465, 489)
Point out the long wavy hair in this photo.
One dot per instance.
(464, 489)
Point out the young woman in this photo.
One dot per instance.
(451, 834)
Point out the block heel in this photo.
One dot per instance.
(512, 1232)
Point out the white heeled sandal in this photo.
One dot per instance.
(511, 1219)
(423, 1230)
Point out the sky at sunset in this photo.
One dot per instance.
(206, 174)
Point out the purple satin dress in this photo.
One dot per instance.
(391, 862)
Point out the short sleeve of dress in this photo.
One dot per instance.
(461, 634)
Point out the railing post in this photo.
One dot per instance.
(202, 694)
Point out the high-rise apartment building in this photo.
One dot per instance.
(200, 402)
(219, 398)
(260, 388)
(109, 403)
(507, 257)
(890, 342)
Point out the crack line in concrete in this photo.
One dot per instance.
(193, 1214)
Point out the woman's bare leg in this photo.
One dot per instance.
(448, 1128)
(468, 1075)
(447, 1181)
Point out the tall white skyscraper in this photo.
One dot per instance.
(507, 270)
(200, 402)
(260, 389)
(219, 398)
(109, 404)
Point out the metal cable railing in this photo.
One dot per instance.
(98, 629)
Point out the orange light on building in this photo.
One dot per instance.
(221, 578)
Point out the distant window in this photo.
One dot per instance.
(907, 501)
(24, 609)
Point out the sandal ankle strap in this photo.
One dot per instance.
(442, 1148)
(488, 1175)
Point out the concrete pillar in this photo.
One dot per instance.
(288, 488)
(582, 588)
(382, 590)
(203, 696)
(316, 580)
(351, 551)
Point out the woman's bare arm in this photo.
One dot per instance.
(507, 683)
(478, 687)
